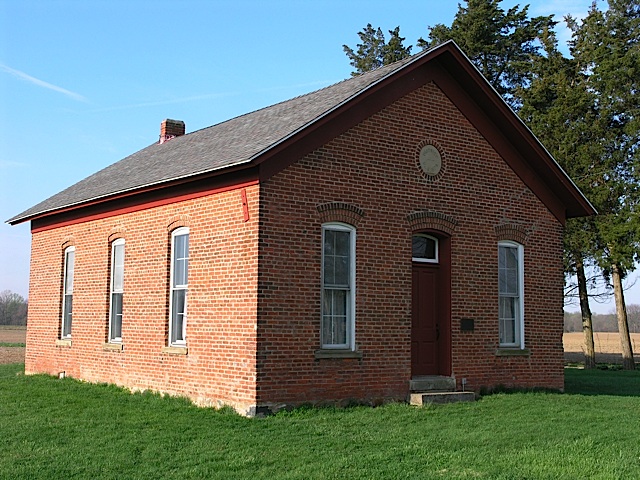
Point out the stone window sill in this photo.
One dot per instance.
(175, 350)
(513, 352)
(65, 342)
(116, 347)
(327, 353)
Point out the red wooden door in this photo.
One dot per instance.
(425, 318)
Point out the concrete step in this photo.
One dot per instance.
(426, 398)
(433, 384)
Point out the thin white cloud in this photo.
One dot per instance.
(11, 164)
(41, 83)
(163, 102)
(203, 97)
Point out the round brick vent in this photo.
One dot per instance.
(430, 161)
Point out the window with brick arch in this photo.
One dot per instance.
(511, 294)
(116, 290)
(67, 291)
(338, 286)
(179, 285)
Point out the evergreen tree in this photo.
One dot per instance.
(585, 110)
(374, 51)
(606, 46)
(502, 45)
(559, 109)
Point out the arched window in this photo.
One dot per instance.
(511, 294)
(116, 290)
(178, 286)
(67, 291)
(424, 248)
(338, 286)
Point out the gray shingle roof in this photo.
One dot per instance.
(233, 142)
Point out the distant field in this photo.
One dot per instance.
(11, 335)
(605, 342)
(607, 347)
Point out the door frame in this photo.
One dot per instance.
(444, 301)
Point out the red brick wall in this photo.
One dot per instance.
(221, 335)
(374, 166)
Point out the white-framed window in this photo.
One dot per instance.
(338, 286)
(179, 284)
(511, 294)
(67, 291)
(116, 290)
(424, 248)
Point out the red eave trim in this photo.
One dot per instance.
(140, 206)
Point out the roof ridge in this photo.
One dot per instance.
(297, 97)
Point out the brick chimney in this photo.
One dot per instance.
(170, 129)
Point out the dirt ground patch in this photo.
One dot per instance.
(11, 355)
(607, 347)
(10, 334)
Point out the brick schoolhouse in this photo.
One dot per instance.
(400, 225)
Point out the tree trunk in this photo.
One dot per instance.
(587, 326)
(623, 325)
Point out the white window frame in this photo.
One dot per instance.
(174, 339)
(67, 293)
(519, 321)
(113, 290)
(426, 260)
(351, 290)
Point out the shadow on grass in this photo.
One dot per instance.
(602, 381)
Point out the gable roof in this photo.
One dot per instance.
(249, 139)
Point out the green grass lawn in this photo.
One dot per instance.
(10, 344)
(55, 429)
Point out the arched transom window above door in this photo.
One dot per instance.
(424, 248)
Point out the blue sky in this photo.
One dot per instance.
(86, 83)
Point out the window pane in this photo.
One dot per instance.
(511, 257)
(342, 243)
(180, 273)
(182, 246)
(334, 317)
(329, 240)
(178, 315)
(424, 247)
(341, 271)
(507, 332)
(70, 261)
(180, 260)
(339, 304)
(508, 271)
(336, 257)
(507, 315)
(116, 315)
(67, 315)
(329, 270)
(507, 308)
(118, 267)
(339, 330)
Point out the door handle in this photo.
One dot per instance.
(437, 332)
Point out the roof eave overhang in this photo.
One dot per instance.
(239, 174)
(473, 92)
